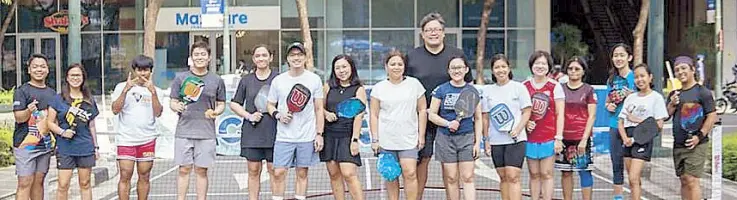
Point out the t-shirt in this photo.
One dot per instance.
(302, 128)
(431, 69)
(650, 105)
(76, 115)
(448, 94)
(695, 103)
(618, 84)
(398, 120)
(25, 134)
(543, 97)
(261, 135)
(507, 101)
(136, 123)
(342, 127)
(577, 110)
(192, 122)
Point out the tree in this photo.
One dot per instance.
(639, 32)
(149, 28)
(567, 43)
(481, 41)
(304, 25)
(6, 24)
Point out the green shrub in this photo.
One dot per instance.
(6, 97)
(729, 157)
(6, 144)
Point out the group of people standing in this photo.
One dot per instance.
(411, 116)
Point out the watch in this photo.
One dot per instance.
(319, 134)
(558, 137)
(374, 140)
(355, 140)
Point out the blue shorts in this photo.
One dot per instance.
(539, 151)
(290, 154)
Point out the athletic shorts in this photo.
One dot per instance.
(258, 154)
(295, 154)
(74, 162)
(539, 151)
(200, 152)
(400, 154)
(28, 162)
(570, 159)
(430, 133)
(140, 153)
(690, 161)
(454, 148)
(638, 151)
(508, 155)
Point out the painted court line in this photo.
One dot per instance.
(368, 173)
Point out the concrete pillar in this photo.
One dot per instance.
(729, 56)
(655, 37)
(542, 25)
(74, 44)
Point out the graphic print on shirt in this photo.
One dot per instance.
(540, 104)
(619, 91)
(34, 137)
(501, 117)
(450, 101)
(77, 115)
(691, 115)
(637, 110)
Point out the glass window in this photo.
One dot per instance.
(10, 70)
(245, 41)
(519, 13)
(315, 13)
(119, 50)
(521, 45)
(123, 15)
(90, 9)
(472, 13)
(384, 41)
(179, 3)
(447, 8)
(288, 37)
(32, 14)
(494, 45)
(257, 2)
(92, 62)
(172, 51)
(352, 43)
(347, 13)
(392, 13)
(4, 9)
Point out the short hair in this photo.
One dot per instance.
(142, 61)
(200, 44)
(540, 53)
(395, 53)
(433, 16)
(504, 58)
(38, 55)
(577, 59)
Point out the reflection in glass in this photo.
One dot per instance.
(494, 45)
(472, 14)
(119, 50)
(9, 65)
(385, 41)
(521, 45)
(318, 46)
(392, 13)
(91, 61)
(447, 8)
(353, 43)
(315, 13)
(347, 13)
(246, 40)
(123, 15)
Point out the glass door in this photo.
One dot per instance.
(46, 44)
(215, 40)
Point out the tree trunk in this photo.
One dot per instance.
(304, 25)
(149, 28)
(639, 32)
(6, 24)
(481, 41)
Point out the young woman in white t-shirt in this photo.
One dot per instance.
(398, 118)
(637, 108)
(504, 120)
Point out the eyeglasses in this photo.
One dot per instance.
(456, 68)
(433, 30)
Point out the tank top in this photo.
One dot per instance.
(343, 127)
(545, 127)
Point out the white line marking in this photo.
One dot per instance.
(367, 165)
(610, 182)
(133, 189)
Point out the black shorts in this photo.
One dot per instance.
(508, 155)
(638, 151)
(429, 148)
(339, 149)
(74, 162)
(258, 154)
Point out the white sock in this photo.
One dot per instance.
(300, 197)
(277, 198)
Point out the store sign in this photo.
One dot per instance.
(59, 21)
(249, 18)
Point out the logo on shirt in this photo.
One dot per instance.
(16, 103)
(450, 100)
(137, 96)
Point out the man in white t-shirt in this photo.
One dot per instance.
(137, 106)
(298, 134)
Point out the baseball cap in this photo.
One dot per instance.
(297, 45)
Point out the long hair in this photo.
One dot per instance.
(613, 70)
(504, 58)
(466, 78)
(66, 89)
(334, 82)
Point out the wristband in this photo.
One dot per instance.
(374, 140)
(558, 137)
(273, 114)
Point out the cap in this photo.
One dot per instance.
(297, 45)
(683, 60)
